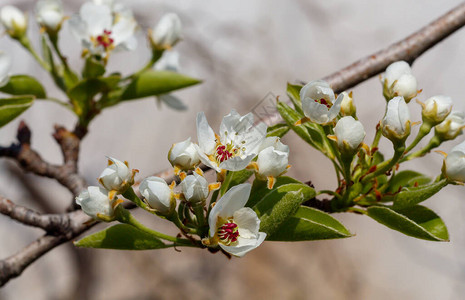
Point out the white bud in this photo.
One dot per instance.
(50, 14)
(14, 21)
(184, 155)
(451, 127)
(95, 202)
(436, 109)
(349, 133)
(396, 122)
(399, 81)
(454, 163)
(117, 176)
(5, 66)
(318, 102)
(273, 158)
(157, 193)
(347, 105)
(167, 32)
(195, 188)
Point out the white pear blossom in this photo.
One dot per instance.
(396, 122)
(157, 193)
(184, 155)
(436, 109)
(318, 102)
(349, 133)
(49, 14)
(399, 81)
(167, 32)
(452, 126)
(117, 176)
(5, 66)
(233, 227)
(96, 203)
(273, 158)
(347, 105)
(195, 188)
(454, 163)
(101, 31)
(14, 21)
(235, 146)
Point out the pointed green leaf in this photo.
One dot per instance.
(121, 237)
(310, 132)
(234, 178)
(407, 178)
(153, 83)
(260, 189)
(10, 108)
(280, 204)
(413, 195)
(22, 85)
(309, 224)
(293, 91)
(278, 130)
(416, 221)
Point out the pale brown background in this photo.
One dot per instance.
(243, 50)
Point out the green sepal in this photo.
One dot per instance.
(260, 189)
(93, 68)
(280, 204)
(309, 224)
(83, 94)
(278, 130)
(10, 108)
(416, 221)
(411, 196)
(153, 83)
(293, 91)
(21, 85)
(122, 237)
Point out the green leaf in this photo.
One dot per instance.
(234, 178)
(416, 221)
(310, 132)
(10, 108)
(293, 91)
(260, 189)
(413, 195)
(153, 83)
(21, 85)
(405, 179)
(280, 204)
(82, 94)
(93, 68)
(309, 224)
(121, 237)
(278, 130)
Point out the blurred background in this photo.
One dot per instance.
(243, 50)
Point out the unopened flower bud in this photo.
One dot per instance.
(350, 134)
(436, 109)
(50, 14)
(396, 122)
(96, 203)
(14, 21)
(347, 105)
(157, 193)
(167, 32)
(117, 176)
(195, 188)
(184, 155)
(319, 103)
(454, 163)
(451, 127)
(273, 158)
(399, 81)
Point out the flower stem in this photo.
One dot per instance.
(433, 143)
(24, 41)
(131, 195)
(385, 165)
(424, 130)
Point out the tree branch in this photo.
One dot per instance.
(73, 223)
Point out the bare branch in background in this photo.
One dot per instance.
(61, 228)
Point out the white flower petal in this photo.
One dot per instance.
(97, 17)
(173, 102)
(5, 66)
(205, 134)
(455, 166)
(247, 222)
(244, 245)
